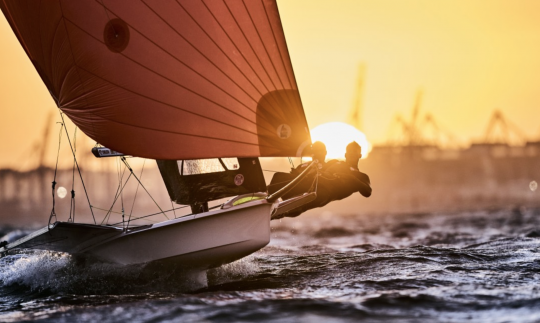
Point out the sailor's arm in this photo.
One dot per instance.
(360, 182)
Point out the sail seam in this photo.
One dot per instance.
(225, 54)
(293, 76)
(168, 131)
(53, 74)
(278, 47)
(203, 55)
(255, 53)
(263, 43)
(193, 135)
(250, 46)
(236, 47)
(181, 62)
(275, 102)
(187, 89)
(265, 49)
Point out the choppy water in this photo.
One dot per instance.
(478, 266)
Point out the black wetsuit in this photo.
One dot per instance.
(279, 180)
(336, 181)
(350, 180)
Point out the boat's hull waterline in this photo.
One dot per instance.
(198, 241)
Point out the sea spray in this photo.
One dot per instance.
(234, 271)
(61, 273)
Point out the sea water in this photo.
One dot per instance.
(481, 266)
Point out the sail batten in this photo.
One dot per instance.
(168, 79)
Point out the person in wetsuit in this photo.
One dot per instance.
(279, 180)
(347, 172)
(337, 181)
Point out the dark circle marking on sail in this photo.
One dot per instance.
(116, 35)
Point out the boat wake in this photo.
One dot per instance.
(60, 273)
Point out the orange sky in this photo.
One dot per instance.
(468, 57)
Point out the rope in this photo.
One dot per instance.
(118, 168)
(174, 212)
(78, 169)
(72, 204)
(53, 213)
(135, 197)
(116, 195)
(97, 208)
(149, 215)
(131, 170)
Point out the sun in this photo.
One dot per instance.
(336, 136)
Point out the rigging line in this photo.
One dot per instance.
(84, 96)
(291, 162)
(72, 202)
(118, 168)
(53, 213)
(200, 52)
(117, 195)
(315, 181)
(174, 212)
(131, 170)
(97, 208)
(149, 215)
(277, 44)
(249, 43)
(181, 62)
(136, 191)
(78, 169)
(240, 52)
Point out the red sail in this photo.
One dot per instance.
(168, 79)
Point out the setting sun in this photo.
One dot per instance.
(336, 136)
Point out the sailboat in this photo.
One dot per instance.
(174, 81)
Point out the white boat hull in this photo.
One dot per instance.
(198, 241)
(203, 240)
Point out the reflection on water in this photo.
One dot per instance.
(475, 266)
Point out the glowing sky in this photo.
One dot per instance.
(468, 57)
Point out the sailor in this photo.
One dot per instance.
(338, 180)
(318, 153)
(350, 177)
(279, 180)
